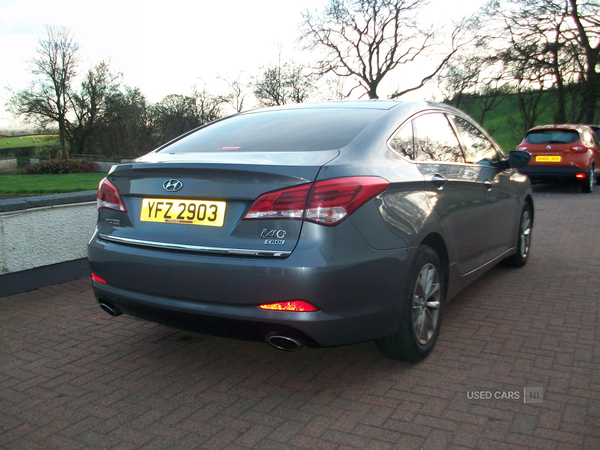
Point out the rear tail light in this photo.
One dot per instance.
(580, 176)
(325, 202)
(293, 305)
(579, 149)
(109, 196)
(522, 148)
(282, 204)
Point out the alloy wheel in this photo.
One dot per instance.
(426, 303)
(525, 234)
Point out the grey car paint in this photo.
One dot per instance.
(353, 272)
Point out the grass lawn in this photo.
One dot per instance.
(49, 184)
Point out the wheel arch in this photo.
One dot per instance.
(529, 201)
(437, 243)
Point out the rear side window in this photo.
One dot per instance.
(428, 138)
(403, 143)
(552, 137)
(279, 130)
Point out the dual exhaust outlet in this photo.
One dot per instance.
(278, 341)
(284, 342)
(110, 308)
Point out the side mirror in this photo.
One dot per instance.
(518, 158)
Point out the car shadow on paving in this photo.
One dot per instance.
(516, 367)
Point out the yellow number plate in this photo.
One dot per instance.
(548, 158)
(192, 212)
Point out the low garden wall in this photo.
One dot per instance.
(43, 240)
(8, 165)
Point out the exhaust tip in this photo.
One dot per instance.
(285, 343)
(110, 308)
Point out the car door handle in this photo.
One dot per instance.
(439, 181)
(488, 184)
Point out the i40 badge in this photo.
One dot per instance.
(273, 237)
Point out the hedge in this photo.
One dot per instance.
(57, 166)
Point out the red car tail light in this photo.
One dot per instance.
(109, 196)
(522, 148)
(580, 176)
(325, 202)
(293, 305)
(579, 149)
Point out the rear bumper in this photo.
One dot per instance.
(358, 298)
(551, 173)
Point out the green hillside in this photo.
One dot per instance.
(38, 140)
(504, 121)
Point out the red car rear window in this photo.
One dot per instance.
(552, 137)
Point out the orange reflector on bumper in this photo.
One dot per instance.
(295, 305)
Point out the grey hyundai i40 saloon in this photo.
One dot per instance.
(314, 224)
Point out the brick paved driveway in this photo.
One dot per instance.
(71, 377)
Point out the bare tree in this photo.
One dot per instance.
(177, 114)
(367, 39)
(237, 95)
(586, 16)
(89, 105)
(208, 107)
(128, 128)
(552, 45)
(333, 89)
(298, 83)
(269, 88)
(536, 54)
(461, 78)
(475, 82)
(47, 100)
(282, 84)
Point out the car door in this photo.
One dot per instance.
(457, 190)
(501, 202)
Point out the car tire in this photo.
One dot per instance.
(587, 185)
(422, 305)
(519, 259)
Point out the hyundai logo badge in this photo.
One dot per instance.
(172, 185)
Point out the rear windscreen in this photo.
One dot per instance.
(279, 130)
(552, 137)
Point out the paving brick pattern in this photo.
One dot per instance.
(72, 377)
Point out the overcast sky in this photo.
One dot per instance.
(168, 46)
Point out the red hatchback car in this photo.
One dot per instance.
(562, 152)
